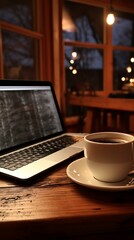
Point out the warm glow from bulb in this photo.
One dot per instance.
(129, 69)
(74, 54)
(110, 19)
(74, 71)
(123, 79)
(131, 80)
(132, 59)
(70, 67)
(72, 61)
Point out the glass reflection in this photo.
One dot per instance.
(84, 72)
(123, 29)
(18, 12)
(123, 69)
(19, 56)
(82, 23)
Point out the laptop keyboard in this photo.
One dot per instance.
(25, 156)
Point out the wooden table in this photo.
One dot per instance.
(51, 206)
(99, 109)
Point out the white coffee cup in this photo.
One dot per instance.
(109, 155)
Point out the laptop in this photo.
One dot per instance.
(32, 133)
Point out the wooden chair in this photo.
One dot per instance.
(106, 120)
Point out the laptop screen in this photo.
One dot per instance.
(27, 114)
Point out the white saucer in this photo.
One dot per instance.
(81, 174)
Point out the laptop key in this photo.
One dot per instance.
(31, 154)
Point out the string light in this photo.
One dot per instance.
(72, 61)
(123, 79)
(129, 69)
(74, 55)
(74, 71)
(132, 59)
(71, 68)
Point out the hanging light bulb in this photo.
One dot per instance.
(110, 17)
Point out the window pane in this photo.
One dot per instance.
(84, 69)
(19, 56)
(82, 22)
(123, 68)
(18, 12)
(123, 30)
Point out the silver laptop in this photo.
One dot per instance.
(32, 135)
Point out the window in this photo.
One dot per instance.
(123, 30)
(83, 69)
(19, 56)
(22, 40)
(123, 50)
(80, 22)
(83, 35)
(18, 12)
(98, 58)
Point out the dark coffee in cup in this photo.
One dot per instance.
(108, 140)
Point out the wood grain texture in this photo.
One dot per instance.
(53, 207)
(121, 104)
